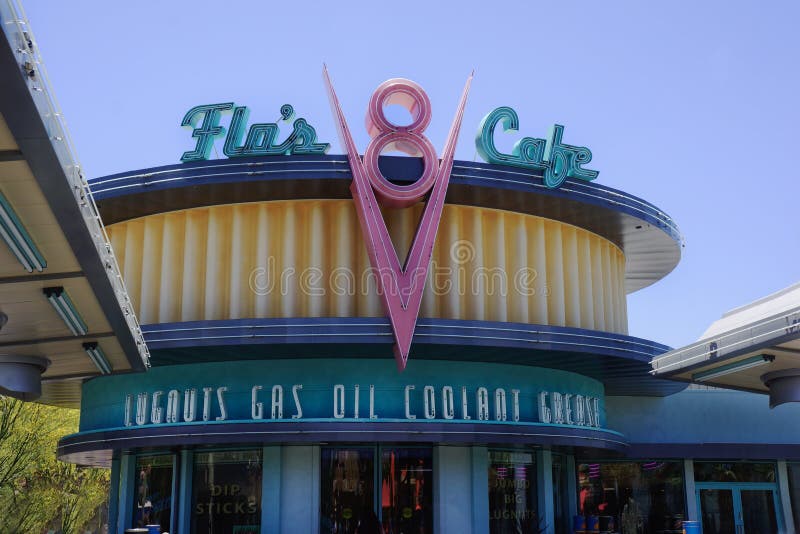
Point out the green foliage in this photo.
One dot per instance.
(37, 492)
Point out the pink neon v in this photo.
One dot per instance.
(401, 287)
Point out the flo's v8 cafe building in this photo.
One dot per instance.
(306, 342)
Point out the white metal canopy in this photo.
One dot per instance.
(60, 286)
(737, 350)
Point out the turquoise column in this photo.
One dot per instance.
(544, 487)
(271, 490)
(480, 490)
(785, 498)
(184, 510)
(113, 494)
(175, 502)
(572, 489)
(127, 475)
(453, 491)
(300, 487)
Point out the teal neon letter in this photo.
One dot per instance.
(208, 130)
(233, 147)
(484, 141)
(526, 153)
(558, 156)
(565, 160)
(303, 139)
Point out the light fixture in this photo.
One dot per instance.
(66, 310)
(21, 376)
(98, 357)
(741, 365)
(18, 239)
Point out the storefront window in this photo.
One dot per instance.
(407, 491)
(348, 492)
(794, 491)
(356, 497)
(512, 493)
(633, 498)
(153, 495)
(226, 492)
(734, 472)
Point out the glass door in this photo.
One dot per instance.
(717, 511)
(738, 510)
(348, 489)
(153, 493)
(406, 491)
(758, 511)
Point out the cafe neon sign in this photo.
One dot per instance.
(555, 160)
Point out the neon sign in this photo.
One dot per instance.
(400, 286)
(290, 403)
(550, 156)
(260, 140)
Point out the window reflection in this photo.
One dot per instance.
(794, 490)
(407, 491)
(639, 497)
(758, 511)
(717, 511)
(394, 497)
(153, 496)
(560, 495)
(734, 472)
(512, 493)
(226, 492)
(348, 492)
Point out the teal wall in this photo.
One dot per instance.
(697, 416)
(300, 489)
(452, 493)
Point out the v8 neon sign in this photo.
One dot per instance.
(400, 286)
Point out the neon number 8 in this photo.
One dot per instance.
(407, 139)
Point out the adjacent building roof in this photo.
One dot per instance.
(66, 305)
(737, 350)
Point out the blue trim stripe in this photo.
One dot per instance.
(621, 362)
(335, 167)
(71, 448)
(378, 330)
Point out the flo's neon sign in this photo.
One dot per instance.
(261, 138)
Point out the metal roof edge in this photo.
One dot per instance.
(766, 332)
(32, 114)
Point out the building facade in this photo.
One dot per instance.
(330, 343)
(523, 403)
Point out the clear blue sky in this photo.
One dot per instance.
(689, 105)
